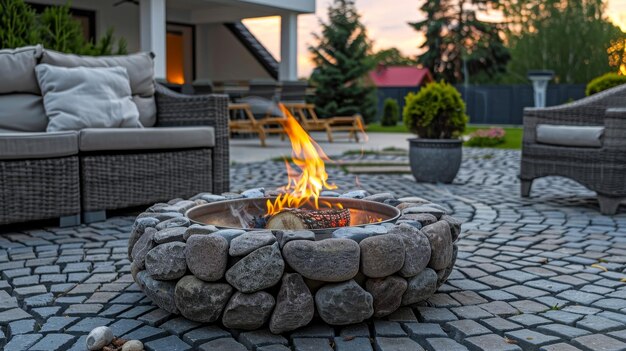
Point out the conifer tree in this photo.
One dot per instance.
(342, 59)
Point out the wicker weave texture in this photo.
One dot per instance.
(176, 109)
(126, 180)
(600, 169)
(39, 189)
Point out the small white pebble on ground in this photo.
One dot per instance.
(132, 345)
(98, 338)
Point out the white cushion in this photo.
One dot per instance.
(574, 136)
(85, 97)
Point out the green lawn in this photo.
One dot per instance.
(513, 139)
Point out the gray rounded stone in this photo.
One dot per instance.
(258, 270)
(169, 235)
(423, 218)
(359, 233)
(344, 303)
(159, 291)
(167, 261)
(417, 249)
(285, 236)
(98, 338)
(199, 229)
(294, 305)
(160, 216)
(207, 256)
(254, 193)
(414, 200)
(355, 194)
(380, 197)
(420, 287)
(200, 301)
(250, 241)
(455, 226)
(248, 311)
(139, 227)
(180, 206)
(142, 247)
(440, 239)
(329, 260)
(382, 255)
(387, 294)
(174, 222)
(448, 270)
(229, 234)
(208, 197)
(432, 209)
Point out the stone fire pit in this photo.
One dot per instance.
(249, 279)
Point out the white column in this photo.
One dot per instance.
(288, 68)
(152, 32)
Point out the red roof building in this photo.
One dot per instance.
(399, 76)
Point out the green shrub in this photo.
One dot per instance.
(17, 24)
(54, 28)
(486, 137)
(390, 112)
(437, 111)
(604, 82)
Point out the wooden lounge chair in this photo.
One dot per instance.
(310, 122)
(249, 124)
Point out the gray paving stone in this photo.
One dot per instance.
(224, 344)
(352, 344)
(259, 338)
(420, 331)
(579, 297)
(52, 342)
(123, 326)
(531, 340)
(169, 343)
(559, 347)
(23, 326)
(599, 324)
(500, 325)
(145, 333)
(435, 315)
(596, 342)
(462, 329)
(388, 329)
(57, 324)
(179, 326)
(444, 344)
(563, 331)
(311, 344)
(490, 342)
(529, 320)
(396, 344)
(87, 324)
(13, 315)
(22, 342)
(355, 330)
(316, 330)
(201, 335)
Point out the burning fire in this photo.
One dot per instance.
(302, 188)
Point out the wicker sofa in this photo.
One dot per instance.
(62, 175)
(590, 146)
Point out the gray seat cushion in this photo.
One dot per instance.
(19, 146)
(572, 136)
(86, 97)
(17, 70)
(22, 113)
(161, 138)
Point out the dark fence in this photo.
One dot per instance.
(496, 104)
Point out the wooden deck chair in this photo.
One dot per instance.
(310, 122)
(249, 124)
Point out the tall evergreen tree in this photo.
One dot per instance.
(458, 45)
(342, 59)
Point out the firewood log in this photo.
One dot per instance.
(296, 218)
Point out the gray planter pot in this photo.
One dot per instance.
(435, 160)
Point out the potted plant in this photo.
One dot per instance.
(437, 115)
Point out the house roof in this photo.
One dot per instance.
(400, 76)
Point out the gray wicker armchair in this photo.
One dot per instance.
(114, 180)
(602, 168)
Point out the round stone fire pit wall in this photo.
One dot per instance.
(251, 279)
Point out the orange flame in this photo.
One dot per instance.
(302, 188)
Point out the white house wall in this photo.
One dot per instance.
(221, 57)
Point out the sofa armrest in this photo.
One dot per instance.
(615, 129)
(174, 109)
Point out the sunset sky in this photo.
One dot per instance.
(386, 23)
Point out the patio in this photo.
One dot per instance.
(538, 273)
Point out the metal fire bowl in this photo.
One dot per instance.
(237, 213)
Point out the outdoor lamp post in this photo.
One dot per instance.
(540, 79)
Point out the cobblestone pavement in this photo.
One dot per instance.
(544, 273)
